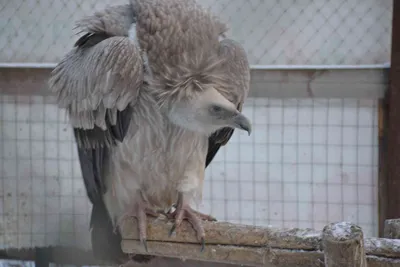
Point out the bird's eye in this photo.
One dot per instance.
(216, 109)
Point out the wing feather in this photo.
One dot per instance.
(98, 82)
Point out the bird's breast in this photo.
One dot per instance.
(156, 162)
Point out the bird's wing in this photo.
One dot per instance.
(238, 69)
(98, 83)
(113, 21)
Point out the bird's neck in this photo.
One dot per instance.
(148, 109)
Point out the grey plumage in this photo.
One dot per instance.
(152, 94)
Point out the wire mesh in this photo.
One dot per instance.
(307, 163)
(273, 31)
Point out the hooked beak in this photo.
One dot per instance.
(242, 122)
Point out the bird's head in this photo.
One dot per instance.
(201, 87)
(208, 111)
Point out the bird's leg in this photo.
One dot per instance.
(139, 210)
(185, 212)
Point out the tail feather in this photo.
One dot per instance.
(106, 243)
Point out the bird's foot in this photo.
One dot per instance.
(202, 216)
(185, 212)
(140, 211)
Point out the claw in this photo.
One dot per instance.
(172, 230)
(140, 210)
(144, 241)
(203, 244)
(185, 212)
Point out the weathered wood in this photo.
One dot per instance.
(343, 245)
(76, 257)
(247, 256)
(374, 261)
(260, 246)
(382, 247)
(392, 229)
(27, 81)
(223, 233)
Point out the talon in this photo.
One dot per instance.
(203, 244)
(139, 210)
(195, 218)
(172, 230)
(144, 241)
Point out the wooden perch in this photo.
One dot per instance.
(259, 246)
(343, 245)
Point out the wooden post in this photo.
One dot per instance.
(392, 229)
(382, 163)
(393, 145)
(343, 245)
(42, 257)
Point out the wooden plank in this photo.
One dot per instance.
(382, 247)
(393, 137)
(374, 261)
(76, 257)
(24, 81)
(335, 83)
(245, 256)
(250, 245)
(223, 233)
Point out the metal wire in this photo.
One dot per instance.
(309, 162)
(273, 32)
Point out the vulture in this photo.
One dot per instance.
(152, 89)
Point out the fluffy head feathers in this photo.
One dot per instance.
(181, 41)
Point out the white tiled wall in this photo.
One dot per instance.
(272, 31)
(307, 163)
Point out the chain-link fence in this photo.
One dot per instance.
(307, 163)
(273, 32)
